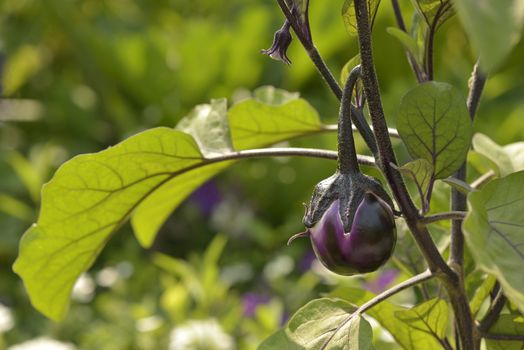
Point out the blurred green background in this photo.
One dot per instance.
(87, 73)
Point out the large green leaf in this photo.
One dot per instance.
(493, 230)
(507, 324)
(323, 324)
(430, 317)
(494, 27)
(434, 124)
(410, 338)
(86, 201)
(146, 176)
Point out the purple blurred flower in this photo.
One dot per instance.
(207, 197)
(251, 301)
(307, 260)
(380, 284)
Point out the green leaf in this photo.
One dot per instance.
(87, 200)
(255, 124)
(420, 171)
(459, 185)
(271, 95)
(434, 12)
(352, 63)
(481, 294)
(350, 20)
(207, 123)
(323, 324)
(493, 231)
(507, 324)
(409, 43)
(386, 314)
(430, 317)
(497, 154)
(434, 124)
(508, 158)
(494, 27)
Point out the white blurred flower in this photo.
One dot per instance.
(42, 343)
(200, 335)
(149, 324)
(107, 277)
(84, 289)
(279, 267)
(6, 319)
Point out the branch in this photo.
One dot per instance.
(386, 154)
(451, 215)
(347, 156)
(458, 200)
(509, 337)
(482, 180)
(333, 127)
(286, 152)
(424, 276)
(493, 314)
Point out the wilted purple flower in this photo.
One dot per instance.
(281, 41)
(365, 247)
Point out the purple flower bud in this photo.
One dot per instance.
(368, 244)
(281, 41)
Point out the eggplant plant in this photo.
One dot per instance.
(352, 219)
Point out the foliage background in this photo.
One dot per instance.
(99, 71)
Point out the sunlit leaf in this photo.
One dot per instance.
(481, 294)
(430, 317)
(459, 185)
(350, 20)
(386, 314)
(494, 27)
(352, 63)
(323, 324)
(256, 124)
(434, 124)
(507, 324)
(493, 231)
(207, 123)
(497, 154)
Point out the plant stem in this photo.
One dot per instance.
(450, 279)
(451, 215)
(493, 314)
(482, 180)
(493, 336)
(386, 154)
(458, 200)
(464, 318)
(312, 51)
(347, 155)
(284, 152)
(424, 276)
